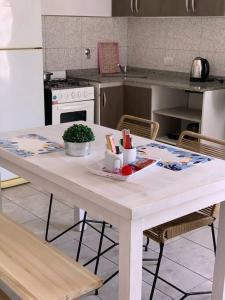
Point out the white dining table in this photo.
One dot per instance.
(144, 201)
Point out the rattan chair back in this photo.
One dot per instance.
(138, 126)
(205, 145)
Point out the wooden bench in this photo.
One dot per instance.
(35, 270)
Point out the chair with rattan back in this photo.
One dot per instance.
(138, 126)
(205, 145)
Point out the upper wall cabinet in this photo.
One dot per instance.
(208, 7)
(136, 7)
(77, 7)
(166, 8)
(175, 8)
(192, 7)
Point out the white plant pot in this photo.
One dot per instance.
(77, 149)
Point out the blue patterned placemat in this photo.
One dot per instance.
(178, 159)
(30, 145)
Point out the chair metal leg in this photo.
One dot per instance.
(48, 223)
(81, 236)
(146, 245)
(157, 271)
(213, 237)
(99, 251)
(49, 216)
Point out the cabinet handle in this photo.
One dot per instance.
(187, 6)
(104, 99)
(193, 5)
(132, 6)
(136, 6)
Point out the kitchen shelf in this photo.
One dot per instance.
(181, 113)
(165, 139)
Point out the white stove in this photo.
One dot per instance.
(67, 100)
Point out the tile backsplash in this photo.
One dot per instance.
(172, 43)
(65, 40)
(156, 43)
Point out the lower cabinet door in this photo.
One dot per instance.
(111, 106)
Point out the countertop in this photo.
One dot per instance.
(145, 77)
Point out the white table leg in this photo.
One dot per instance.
(219, 271)
(78, 216)
(130, 260)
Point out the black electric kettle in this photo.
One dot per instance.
(199, 69)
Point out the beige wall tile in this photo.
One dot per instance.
(62, 59)
(145, 57)
(96, 30)
(213, 34)
(63, 32)
(72, 58)
(149, 32)
(183, 33)
(55, 59)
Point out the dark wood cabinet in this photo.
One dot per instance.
(111, 106)
(121, 8)
(166, 8)
(118, 100)
(151, 8)
(208, 7)
(137, 101)
(136, 7)
(175, 8)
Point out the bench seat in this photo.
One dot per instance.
(35, 270)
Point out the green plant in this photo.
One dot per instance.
(78, 133)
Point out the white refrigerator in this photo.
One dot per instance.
(21, 67)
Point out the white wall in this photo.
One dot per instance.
(77, 7)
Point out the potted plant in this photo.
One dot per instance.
(77, 139)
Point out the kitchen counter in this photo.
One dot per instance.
(145, 77)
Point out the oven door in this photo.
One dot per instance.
(73, 111)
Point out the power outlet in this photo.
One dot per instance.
(168, 61)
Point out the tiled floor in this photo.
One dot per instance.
(188, 260)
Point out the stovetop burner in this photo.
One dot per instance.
(64, 83)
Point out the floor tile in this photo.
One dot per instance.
(172, 272)
(206, 286)
(16, 212)
(192, 256)
(110, 290)
(202, 237)
(38, 227)
(20, 191)
(38, 204)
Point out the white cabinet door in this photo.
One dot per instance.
(77, 7)
(20, 24)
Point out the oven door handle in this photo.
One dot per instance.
(75, 107)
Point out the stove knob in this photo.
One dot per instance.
(79, 94)
(72, 95)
